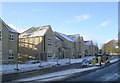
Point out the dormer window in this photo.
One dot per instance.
(11, 37)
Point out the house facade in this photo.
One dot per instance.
(88, 48)
(67, 45)
(82, 46)
(38, 43)
(95, 49)
(78, 45)
(119, 41)
(8, 43)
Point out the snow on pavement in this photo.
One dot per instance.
(10, 68)
(56, 75)
(114, 60)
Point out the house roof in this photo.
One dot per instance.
(35, 31)
(57, 38)
(74, 37)
(64, 36)
(8, 27)
(81, 38)
(88, 42)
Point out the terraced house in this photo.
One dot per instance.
(38, 43)
(67, 45)
(78, 45)
(88, 47)
(8, 43)
(41, 43)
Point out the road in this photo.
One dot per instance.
(100, 74)
(110, 73)
(10, 77)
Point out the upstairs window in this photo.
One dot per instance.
(56, 44)
(11, 37)
(49, 41)
(0, 36)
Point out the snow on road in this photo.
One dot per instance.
(56, 75)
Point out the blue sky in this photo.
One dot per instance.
(97, 21)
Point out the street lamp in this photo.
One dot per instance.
(57, 60)
(40, 60)
(69, 58)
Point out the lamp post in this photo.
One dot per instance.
(69, 58)
(40, 60)
(57, 60)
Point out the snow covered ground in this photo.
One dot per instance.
(56, 75)
(9, 68)
(5, 69)
(62, 74)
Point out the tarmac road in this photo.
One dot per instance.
(110, 73)
(14, 76)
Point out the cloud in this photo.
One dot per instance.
(81, 17)
(16, 28)
(36, 10)
(105, 23)
(76, 19)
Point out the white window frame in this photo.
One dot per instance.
(49, 41)
(11, 55)
(11, 37)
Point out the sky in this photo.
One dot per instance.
(97, 21)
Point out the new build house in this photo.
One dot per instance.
(67, 49)
(78, 45)
(90, 48)
(38, 43)
(8, 43)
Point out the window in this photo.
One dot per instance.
(0, 36)
(11, 37)
(11, 55)
(56, 44)
(49, 42)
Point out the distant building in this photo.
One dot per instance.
(8, 43)
(82, 45)
(95, 48)
(38, 43)
(89, 48)
(78, 45)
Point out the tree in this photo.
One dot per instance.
(100, 51)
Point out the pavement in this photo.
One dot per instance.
(54, 73)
